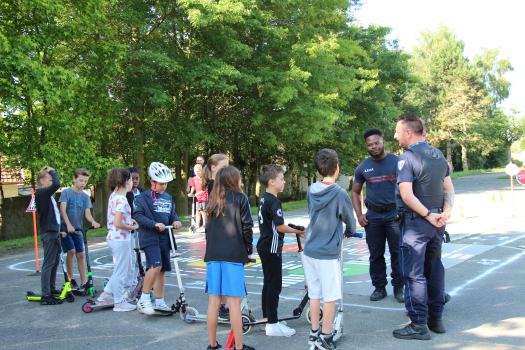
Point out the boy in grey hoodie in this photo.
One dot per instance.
(328, 207)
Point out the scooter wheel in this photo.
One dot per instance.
(246, 319)
(189, 312)
(70, 297)
(307, 315)
(152, 296)
(86, 306)
(30, 293)
(105, 284)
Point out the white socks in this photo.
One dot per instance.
(159, 301)
(144, 296)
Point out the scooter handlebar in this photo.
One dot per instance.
(252, 260)
(85, 229)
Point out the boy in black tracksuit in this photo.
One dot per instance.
(270, 246)
(49, 217)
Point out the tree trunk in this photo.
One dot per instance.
(449, 155)
(509, 156)
(181, 182)
(138, 155)
(464, 158)
(253, 183)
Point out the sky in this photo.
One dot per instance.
(479, 23)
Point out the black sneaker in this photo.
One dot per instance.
(224, 313)
(413, 330)
(313, 336)
(50, 300)
(378, 294)
(435, 324)
(399, 293)
(325, 342)
(245, 347)
(74, 284)
(56, 292)
(218, 346)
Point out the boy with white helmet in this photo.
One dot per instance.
(154, 211)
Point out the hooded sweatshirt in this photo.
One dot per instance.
(328, 207)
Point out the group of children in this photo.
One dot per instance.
(229, 237)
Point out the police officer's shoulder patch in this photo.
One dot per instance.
(279, 212)
(400, 164)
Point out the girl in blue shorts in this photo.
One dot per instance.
(229, 239)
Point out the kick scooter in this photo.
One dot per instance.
(89, 287)
(66, 292)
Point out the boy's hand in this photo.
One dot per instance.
(161, 226)
(177, 225)
(63, 234)
(48, 168)
(95, 225)
(302, 235)
(70, 228)
(135, 225)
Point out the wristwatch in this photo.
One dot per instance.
(428, 214)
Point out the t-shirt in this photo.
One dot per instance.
(76, 205)
(118, 203)
(409, 166)
(197, 183)
(135, 197)
(270, 216)
(380, 177)
(161, 208)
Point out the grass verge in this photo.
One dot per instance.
(458, 174)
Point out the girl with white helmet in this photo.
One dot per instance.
(154, 211)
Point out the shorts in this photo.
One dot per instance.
(323, 278)
(158, 255)
(72, 241)
(225, 278)
(201, 206)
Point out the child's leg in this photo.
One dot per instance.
(69, 263)
(158, 285)
(212, 318)
(236, 320)
(121, 265)
(328, 316)
(203, 217)
(58, 251)
(81, 262)
(149, 279)
(198, 218)
(315, 308)
(51, 247)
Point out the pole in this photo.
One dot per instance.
(512, 190)
(37, 273)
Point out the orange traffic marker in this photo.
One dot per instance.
(230, 344)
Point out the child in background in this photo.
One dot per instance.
(328, 207)
(155, 210)
(270, 248)
(49, 217)
(74, 205)
(119, 226)
(215, 162)
(130, 196)
(229, 239)
(201, 196)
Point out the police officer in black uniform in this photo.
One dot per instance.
(424, 200)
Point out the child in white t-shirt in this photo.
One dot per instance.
(119, 226)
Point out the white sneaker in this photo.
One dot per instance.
(279, 330)
(163, 308)
(145, 307)
(201, 229)
(105, 298)
(263, 326)
(124, 306)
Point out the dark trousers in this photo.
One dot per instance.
(272, 265)
(48, 273)
(380, 229)
(425, 276)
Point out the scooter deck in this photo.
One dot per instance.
(264, 322)
(92, 305)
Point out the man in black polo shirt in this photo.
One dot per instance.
(379, 172)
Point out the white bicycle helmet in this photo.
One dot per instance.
(159, 172)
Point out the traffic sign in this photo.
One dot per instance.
(511, 169)
(521, 177)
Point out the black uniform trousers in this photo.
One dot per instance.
(424, 274)
(272, 264)
(52, 250)
(381, 228)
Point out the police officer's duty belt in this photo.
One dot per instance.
(413, 214)
(381, 209)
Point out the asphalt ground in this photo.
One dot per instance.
(484, 274)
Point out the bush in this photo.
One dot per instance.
(518, 162)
